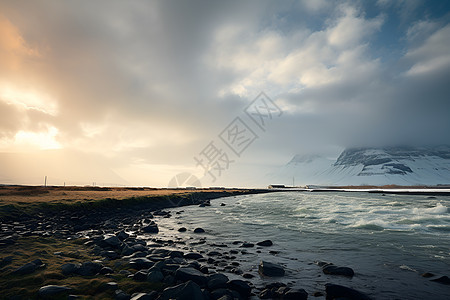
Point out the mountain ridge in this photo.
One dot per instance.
(400, 165)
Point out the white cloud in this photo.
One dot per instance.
(275, 61)
(432, 55)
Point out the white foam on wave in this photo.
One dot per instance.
(375, 224)
(439, 209)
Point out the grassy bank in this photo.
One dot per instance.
(54, 253)
(19, 204)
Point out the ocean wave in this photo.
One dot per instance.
(372, 227)
(375, 225)
(439, 209)
(442, 228)
(418, 220)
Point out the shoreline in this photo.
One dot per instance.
(19, 202)
(96, 249)
(39, 244)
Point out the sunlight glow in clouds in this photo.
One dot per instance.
(29, 100)
(29, 141)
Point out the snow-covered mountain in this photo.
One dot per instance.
(372, 166)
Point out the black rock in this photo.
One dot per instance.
(89, 268)
(110, 254)
(299, 294)
(155, 276)
(140, 276)
(140, 263)
(106, 270)
(189, 273)
(427, 275)
(224, 294)
(26, 269)
(175, 253)
(182, 229)
(112, 240)
(240, 286)
(222, 204)
(265, 243)
(247, 245)
(50, 291)
(199, 230)
(185, 291)
(217, 281)
(121, 295)
(248, 275)
(334, 291)
(122, 235)
(270, 269)
(126, 250)
(193, 255)
(443, 280)
(38, 262)
(334, 270)
(151, 228)
(69, 268)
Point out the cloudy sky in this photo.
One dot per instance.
(141, 89)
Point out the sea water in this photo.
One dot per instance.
(388, 240)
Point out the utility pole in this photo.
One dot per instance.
(293, 181)
(45, 181)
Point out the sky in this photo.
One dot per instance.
(139, 92)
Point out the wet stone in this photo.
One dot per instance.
(193, 255)
(270, 269)
(240, 286)
(247, 245)
(189, 273)
(265, 243)
(334, 270)
(334, 291)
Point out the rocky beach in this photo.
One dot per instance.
(59, 249)
(143, 247)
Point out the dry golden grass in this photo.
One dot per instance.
(39, 194)
(34, 194)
